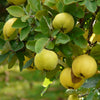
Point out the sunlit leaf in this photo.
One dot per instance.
(40, 44)
(16, 11)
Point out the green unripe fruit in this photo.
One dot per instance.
(46, 60)
(63, 21)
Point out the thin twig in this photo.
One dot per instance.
(62, 63)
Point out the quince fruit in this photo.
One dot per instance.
(8, 30)
(46, 60)
(63, 21)
(84, 66)
(66, 79)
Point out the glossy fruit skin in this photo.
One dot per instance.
(30, 67)
(84, 66)
(8, 30)
(73, 97)
(46, 60)
(63, 21)
(17, 2)
(66, 79)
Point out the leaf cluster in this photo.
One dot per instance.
(35, 17)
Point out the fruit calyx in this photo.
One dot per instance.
(75, 79)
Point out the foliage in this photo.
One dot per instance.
(34, 19)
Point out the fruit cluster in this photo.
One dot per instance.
(83, 66)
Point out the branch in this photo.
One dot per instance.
(62, 63)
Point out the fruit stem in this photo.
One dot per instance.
(62, 63)
(98, 72)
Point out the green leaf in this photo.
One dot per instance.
(50, 45)
(51, 10)
(35, 5)
(70, 1)
(76, 32)
(12, 60)
(20, 56)
(76, 50)
(1, 26)
(62, 39)
(82, 2)
(52, 74)
(16, 45)
(93, 80)
(66, 49)
(24, 18)
(98, 2)
(60, 6)
(38, 29)
(76, 91)
(28, 53)
(2, 42)
(74, 10)
(16, 11)
(28, 8)
(28, 63)
(55, 32)
(4, 56)
(30, 45)
(95, 52)
(96, 28)
(50, 3)
(24, 33)
(46, 82)
(91, 5)
(40, 14)
(19, 24)
(90, 96)
(39, 35)
(80, 41)
(98, 16)
(6, 47)
(40, 44)
(44, 26)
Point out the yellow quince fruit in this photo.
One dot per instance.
(84, 66)
(46, 60)
(66, 79)
(63, 21)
